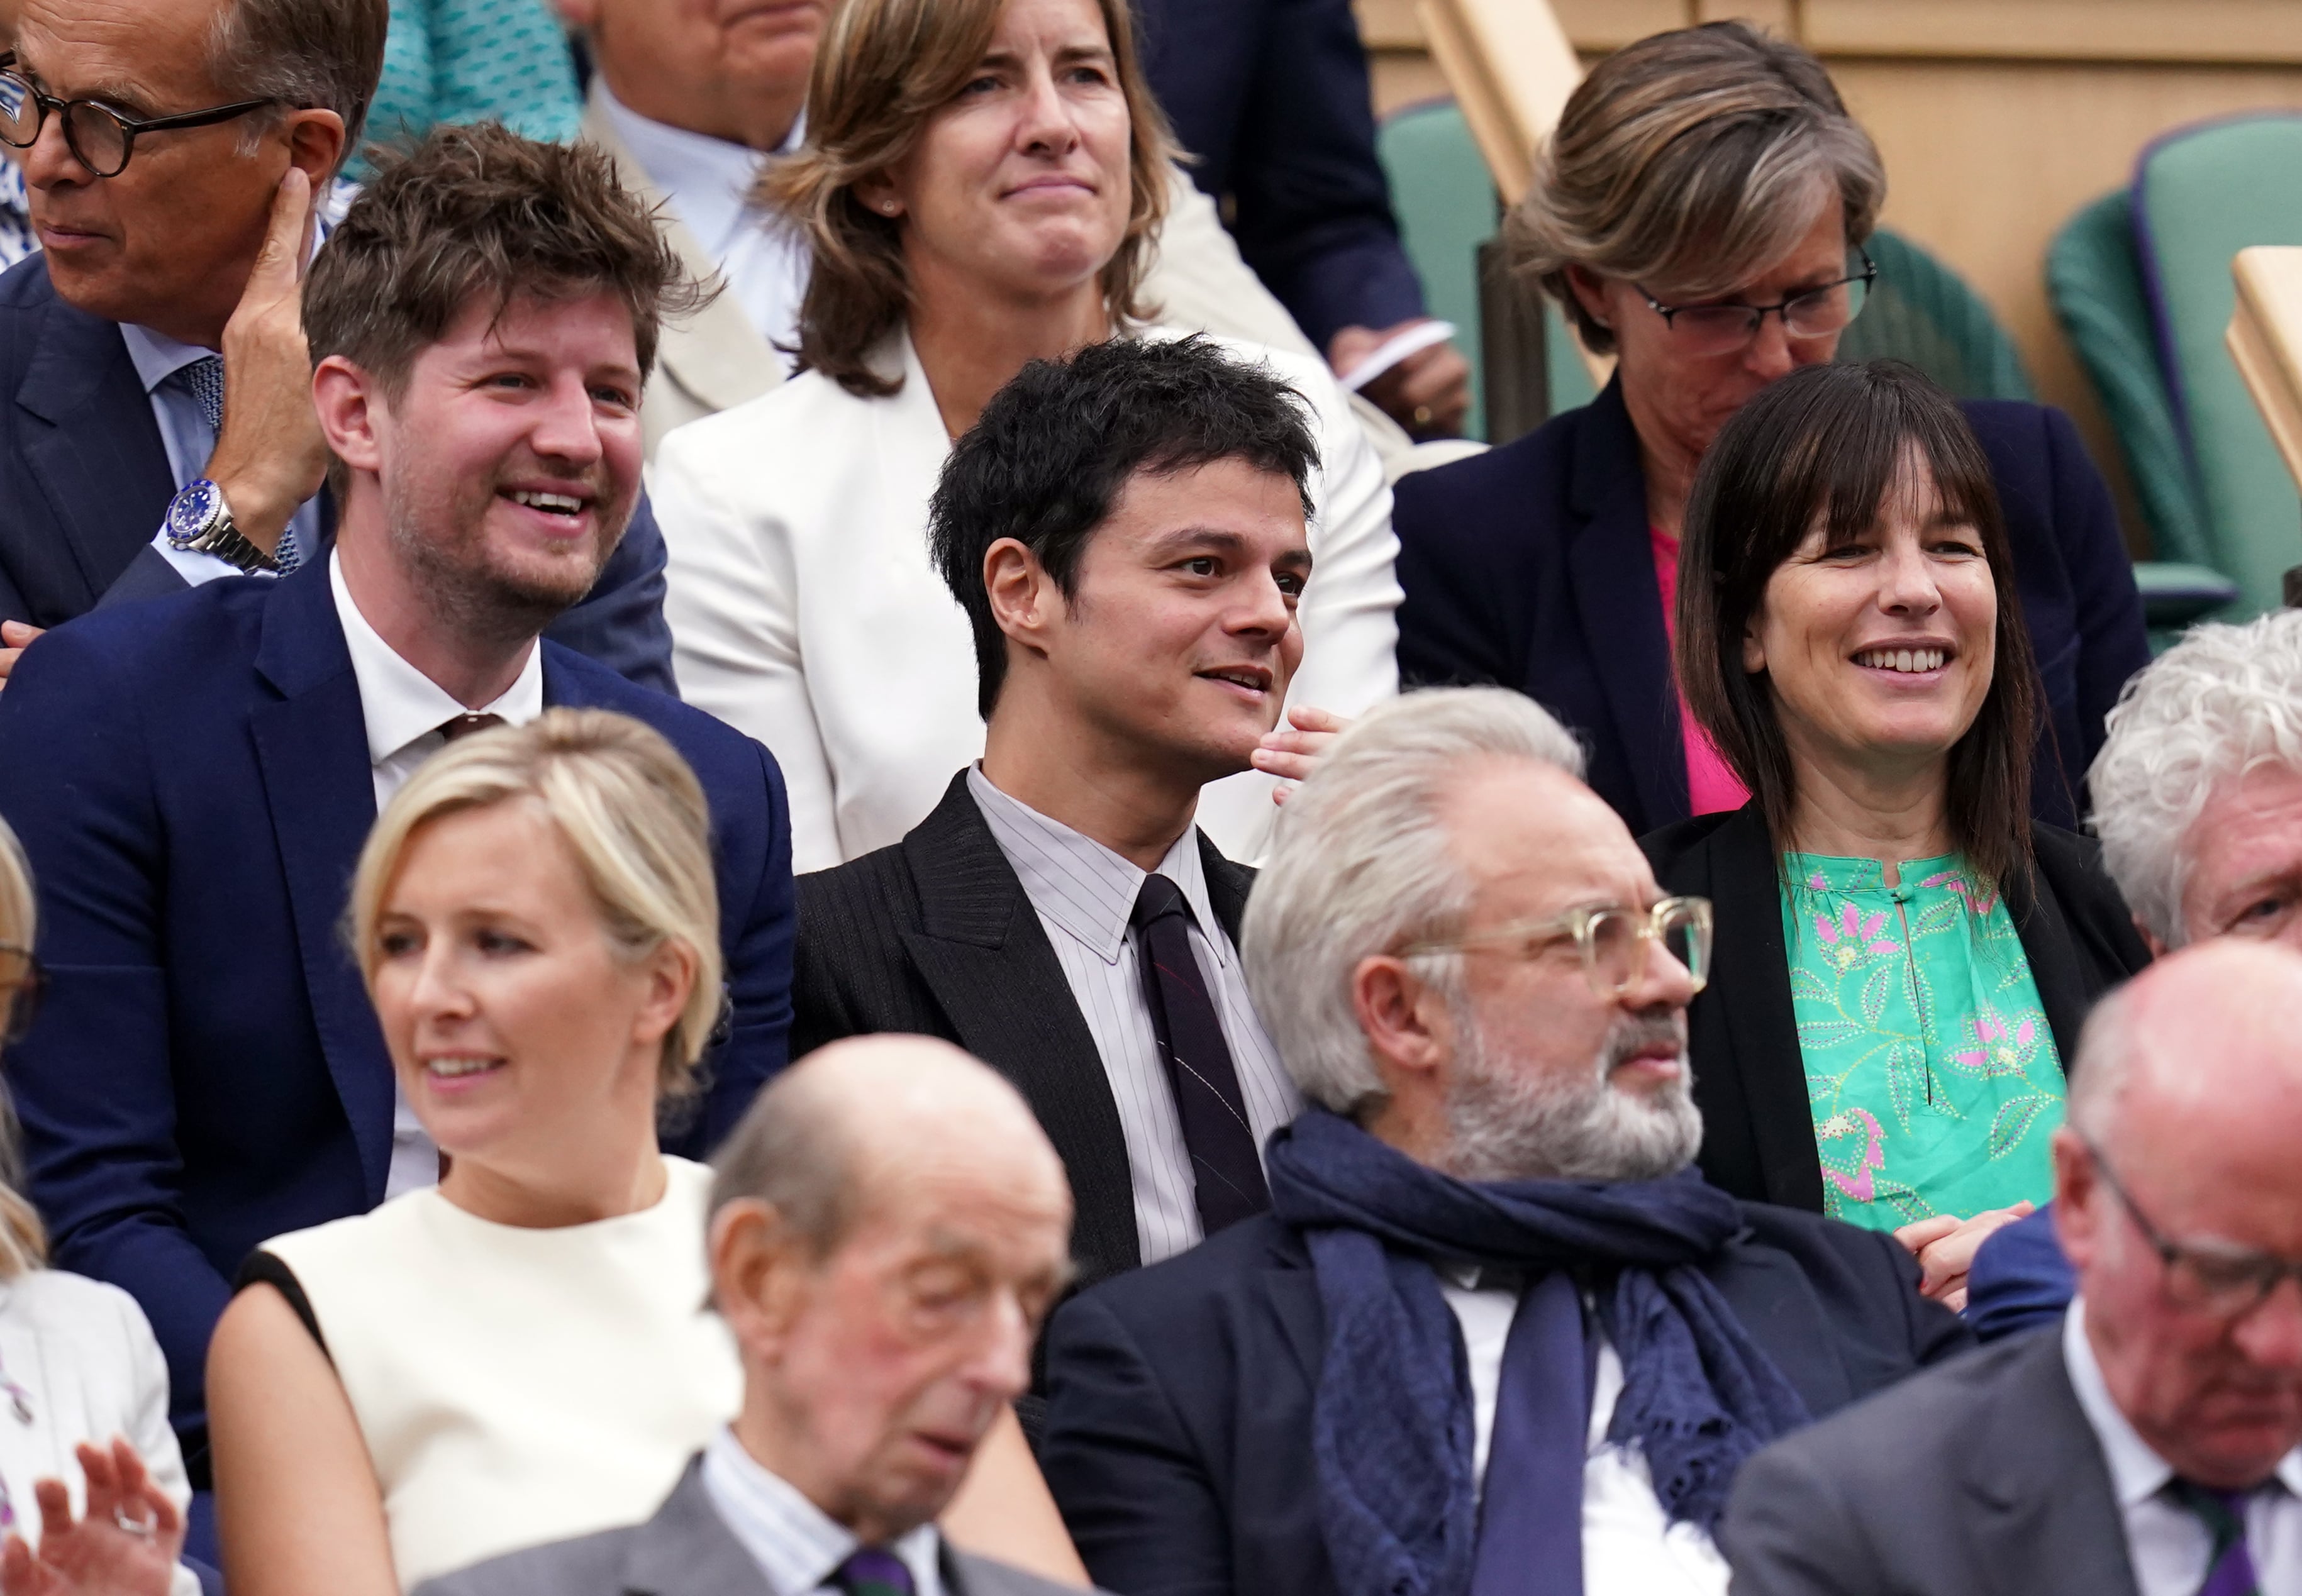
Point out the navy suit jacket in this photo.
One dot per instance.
(1179, 1396)
(1530, 567)
(1272, 96)
(190, 778)
(2021, 1279)
(85, 483)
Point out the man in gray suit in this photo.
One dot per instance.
(888, 1227)
(2152, 1444)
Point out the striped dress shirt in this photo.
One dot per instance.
(798, 1547)
(1084, 896)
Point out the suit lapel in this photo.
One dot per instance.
(716, 355)
(1291, 1291)
(100, 463)
(1774, 1302)
(687, 1550)
(1228, 885)
(1610, 564)
(1749, 982)
(2050, 943)
(2045, 1515)
(311, 745)
(983, 954)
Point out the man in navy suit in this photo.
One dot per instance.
(164, 249)
(1272, 95)
(193, 777)
(1493, 1335)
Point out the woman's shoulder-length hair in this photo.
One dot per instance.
(1825, 446)
(883, 69)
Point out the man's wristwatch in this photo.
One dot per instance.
(200, 521)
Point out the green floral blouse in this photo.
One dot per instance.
(1933, 1074)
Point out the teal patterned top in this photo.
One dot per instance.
(1932, 1072)
(464, 61)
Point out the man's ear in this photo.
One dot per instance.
(1025, 601)
(315, 142)
(2079, 1198)
(2150, 938)
(1408, 1026)
(758, 1273)
(349, 404)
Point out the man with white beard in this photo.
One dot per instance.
(1496, 1336)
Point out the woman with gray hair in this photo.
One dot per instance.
(1700, 214)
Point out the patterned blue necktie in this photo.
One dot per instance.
(205, 378)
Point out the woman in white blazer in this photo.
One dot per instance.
(982, 187)
(92, 1487)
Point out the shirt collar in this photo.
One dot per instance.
(2137, 1471)
(399, 702)
(796, 1546)
(1083, 886)
(708, 179)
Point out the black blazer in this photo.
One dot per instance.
(85, 483)
(1980, 1479)
(1530, 567)
(934, 935)
(1272, 96)
(1750, 1082)
(1180, 1398)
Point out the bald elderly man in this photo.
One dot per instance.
(2154, 1446)
(888, 1227)
(2198, 798)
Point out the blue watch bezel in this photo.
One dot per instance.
(194, 512)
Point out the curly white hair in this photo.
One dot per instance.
(2223, 701)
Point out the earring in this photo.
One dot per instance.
(890, 205)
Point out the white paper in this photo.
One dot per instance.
(1408, 344)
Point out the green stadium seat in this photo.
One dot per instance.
(1446, 208)
(1922, 312)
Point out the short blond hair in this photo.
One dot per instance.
(23, 1239)
(884, 67)
(1689, 162)
(634, 818)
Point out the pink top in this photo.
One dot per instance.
(1711, 785)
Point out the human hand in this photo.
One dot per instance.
(127, 1545)
(271, 455)
(15, 637)
(1428, 393)
(1292, 755)
(1945, 1245)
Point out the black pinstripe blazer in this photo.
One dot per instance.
(934, 935)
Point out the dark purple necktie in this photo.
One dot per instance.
(1227, 1174)
(2230, 1565)
(873, 1571)
(1531, 1506)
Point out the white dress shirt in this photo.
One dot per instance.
(1085, 896)
(2167, 1542)
(404, 709)
(709, 183)
(1630, 1546)
(806, 612)
(797, 1548)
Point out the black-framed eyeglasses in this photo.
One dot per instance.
(2224, 1281)
(1613, 941)
(99, 138)
(1811, 313)
(21, 982)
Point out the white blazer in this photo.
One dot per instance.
(805, 611)
(79, 1363)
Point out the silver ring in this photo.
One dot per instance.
(145, 1526)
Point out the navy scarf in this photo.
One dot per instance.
(1392, 1424)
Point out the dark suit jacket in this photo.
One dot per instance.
(2021, 1281)
(935, 936)
(1750, 1080)
(1180, 1398)
(1272, 95)
(685, 1550)
(1530, 567)
(1980, 1479)
(84, 485)
(190, 778)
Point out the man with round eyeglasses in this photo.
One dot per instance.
(178, 158)
(1495, 1335)
(2153, 1444)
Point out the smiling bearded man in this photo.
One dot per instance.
(1126, 531)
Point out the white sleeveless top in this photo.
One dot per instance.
(520, 1386)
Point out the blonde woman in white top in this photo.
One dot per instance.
(92, 1486)
(523, 1353)
(982, 185)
